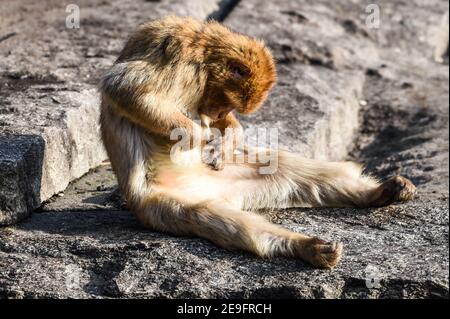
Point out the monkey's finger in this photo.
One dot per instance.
(206, 120)
(217, 164)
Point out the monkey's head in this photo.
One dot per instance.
(240, 70)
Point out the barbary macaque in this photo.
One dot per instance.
(186, 75)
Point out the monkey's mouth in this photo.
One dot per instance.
(208, 119)
(216, 116)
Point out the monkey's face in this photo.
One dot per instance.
(241, 72)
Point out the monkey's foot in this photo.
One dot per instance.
(321, 254)
(396, 189)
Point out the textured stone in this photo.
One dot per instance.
(20, 170)
(108, 254)
(48, 75)
(315, 105)
(85, 245)
(96, 190)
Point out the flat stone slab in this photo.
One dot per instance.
(107, 253)
(84, 244)
(316, 102)
(323, 51)
(48, 75)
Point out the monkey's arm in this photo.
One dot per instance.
(133, 92)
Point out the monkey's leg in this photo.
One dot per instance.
(343, 183)
(231, 228)
(304, 182)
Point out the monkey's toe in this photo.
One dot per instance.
(400, 188)
(407, 190)
(323, 254)
(395, 189)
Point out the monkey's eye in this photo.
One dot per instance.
(239, 71)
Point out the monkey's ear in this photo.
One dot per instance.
(238, 70)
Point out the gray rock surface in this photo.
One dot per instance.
(85, 244)
(316, 102)
(20, 170)
(48, 75)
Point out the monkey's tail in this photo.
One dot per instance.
(233, 229)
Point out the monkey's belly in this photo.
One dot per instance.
(199, 183)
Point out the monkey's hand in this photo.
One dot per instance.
(221, 150)
(223, 137)
(212, 153)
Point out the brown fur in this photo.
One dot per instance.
(169, 73)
